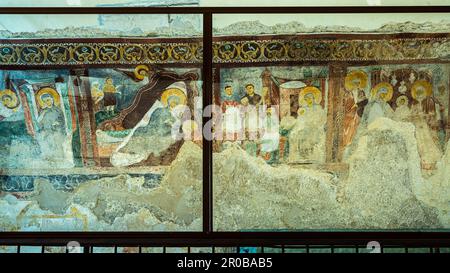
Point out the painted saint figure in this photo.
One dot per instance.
(97, 95)
(251, 126)
(307, 138)
(109, 97)
(251, 96)
(250, 101)
(155, 132)
(270, 139)
(354, 102)
(431, 107)
(378, 105)
(53, 140)
(427, 139)
(402, 111)
(232, 123)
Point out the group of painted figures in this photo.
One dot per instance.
(162, 125)
(35, 118)
(409, 100)
(252, 122)
(301, 138)
(34, 128)
(40, 122)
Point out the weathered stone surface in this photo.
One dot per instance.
(381, 192)
(436, 190)
(49, 198)
(383, 180)
(10, 208)
(249, 194)
(119, 203)
(123, 202)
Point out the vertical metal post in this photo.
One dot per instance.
(207, 144)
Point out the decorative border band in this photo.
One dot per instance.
(242, 51)
(99, 53)
(331, 50)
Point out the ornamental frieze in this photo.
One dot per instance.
(99, 53)
(237, 51)
(331, 50)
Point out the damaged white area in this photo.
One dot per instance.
(120, 203)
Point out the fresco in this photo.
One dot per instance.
(34, 122)
(416, 94)
(335, 147)
(314, 127)
(288, 110)
(94, 149)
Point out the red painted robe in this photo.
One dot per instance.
(353, 111)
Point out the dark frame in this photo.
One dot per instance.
(208, 237)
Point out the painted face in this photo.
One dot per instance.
(382, 93)
(250, 90)
(420, 92)
(173, 102)
(357, 82)
(47, 100)
(109, 81)
(309, 98)
(229, 91)
(7, 101)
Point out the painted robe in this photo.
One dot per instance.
(152, 135)
(353, 112)
(307, 138)
(427, 145)
(53, 140)
(232, 120)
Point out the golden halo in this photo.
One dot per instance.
(355, 79)
(310, 90)
(12, 95)
(383, 86)
(141, 71)
(397, 101)
(421, 84)
(171, 93)
(47, 90)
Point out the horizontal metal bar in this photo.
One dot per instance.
(235, 10)
(406, 239)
